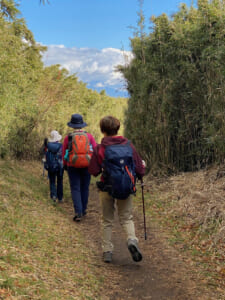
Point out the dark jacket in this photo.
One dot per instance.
(95, 166)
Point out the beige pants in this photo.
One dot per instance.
(124, 208)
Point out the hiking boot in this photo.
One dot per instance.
(107, 257)
(134, 250)
(77, 218)
(54, 199)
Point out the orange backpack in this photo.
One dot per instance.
(79, 150)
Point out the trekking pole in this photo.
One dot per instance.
(143, 202)
(43, 162)
(43, 174)
(44, 149)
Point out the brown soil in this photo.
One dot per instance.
(162, 274)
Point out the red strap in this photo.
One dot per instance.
(131, 177)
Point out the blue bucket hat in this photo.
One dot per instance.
(76, 121)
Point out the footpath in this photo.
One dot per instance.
(162, 274)
(45, 255)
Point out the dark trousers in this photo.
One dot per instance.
(56, 192)
(79, 184)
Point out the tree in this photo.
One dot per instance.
(176, 83)
(35, 99)
(44, 1)
(8, 9)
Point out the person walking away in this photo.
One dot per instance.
(54, 165)
(43, 151)
(118, 161)
(77, 151)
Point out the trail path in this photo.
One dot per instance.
(162, 274)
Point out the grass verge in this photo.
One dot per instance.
(184, 230)
(42, 255)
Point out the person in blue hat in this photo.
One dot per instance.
(77, 151)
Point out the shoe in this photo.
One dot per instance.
(61, 201)
(134, 250)
(107, 257)
(77, 218)
(54, 199)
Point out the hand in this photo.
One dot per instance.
(139, 177)
(143, 163)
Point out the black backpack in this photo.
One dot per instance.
(53, 157)
(119, 171)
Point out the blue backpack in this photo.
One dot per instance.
(119, 171)
(53, 157)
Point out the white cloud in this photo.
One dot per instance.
(90, 65)
(99, 84)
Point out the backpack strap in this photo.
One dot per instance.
(70, 141)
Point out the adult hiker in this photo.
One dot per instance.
(54, 165)
(77, 151)
(118, 161)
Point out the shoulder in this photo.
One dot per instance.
(99, 149)
(89, 135)
(91, 139)
(66, 138)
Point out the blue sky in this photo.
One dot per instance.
(89, 37)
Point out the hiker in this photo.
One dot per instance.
(43, 151)
(77, 151)
(118, 161)
(54, 165)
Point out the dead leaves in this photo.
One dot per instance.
(221, 271)
(5, 294)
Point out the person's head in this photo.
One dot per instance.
(54, 136)
(109, 125)
(76, 122)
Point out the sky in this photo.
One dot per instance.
(91, 37)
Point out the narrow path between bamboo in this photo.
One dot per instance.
(162, 274)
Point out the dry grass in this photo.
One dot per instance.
(42, 255)
(201, 201)
(191, 209)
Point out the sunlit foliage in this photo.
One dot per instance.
(35, 99)
(176, 82)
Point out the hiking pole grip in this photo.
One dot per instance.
(143, 203)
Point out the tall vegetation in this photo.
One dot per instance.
(176, 82)
(35, 99)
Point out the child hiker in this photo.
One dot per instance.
(54, 165)
(77, 150)
(118, 161)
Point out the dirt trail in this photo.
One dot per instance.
(162, 274)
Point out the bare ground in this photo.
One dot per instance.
(162, 274)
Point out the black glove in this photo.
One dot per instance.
(65, 168)
(100, 185)
(45, 142)
(139, 177)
